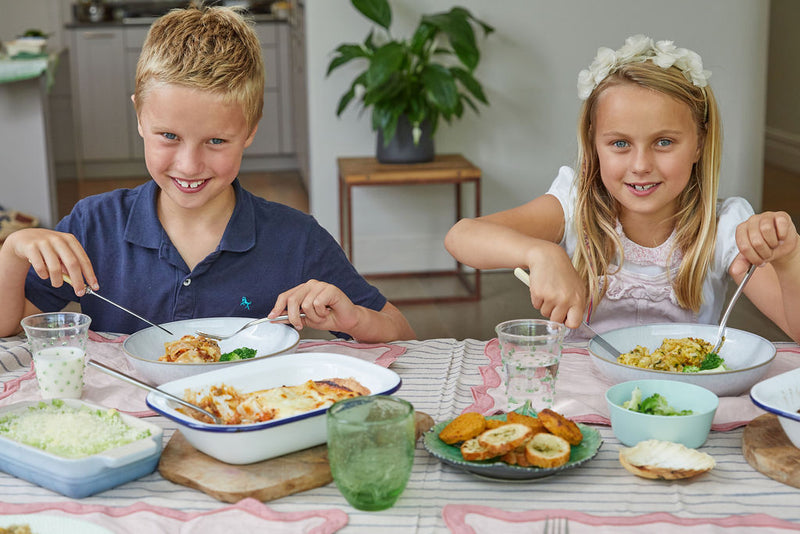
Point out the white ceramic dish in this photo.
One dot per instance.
(145, 347)
(747, 355)
(244, 444)
(81, 477)
(41, 523)
(781, 395)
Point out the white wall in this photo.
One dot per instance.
(529, 70)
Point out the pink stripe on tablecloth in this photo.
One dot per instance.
(581, 389)
(455, 517)
(130, 518)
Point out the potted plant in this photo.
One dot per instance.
(411, 83)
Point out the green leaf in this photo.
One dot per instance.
(440, 88)
(456, 26)
(422, 36)
(468, 81)
(346, 53)
(385, 61)
(471, 104)
(378, 11)
(345, 100)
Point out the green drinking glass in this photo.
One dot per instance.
(371, 445)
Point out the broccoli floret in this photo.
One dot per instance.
(636, 398)
(691, 369)
(711, 361)
(655, 404)
(242, 353)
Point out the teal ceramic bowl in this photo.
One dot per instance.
(691, 430)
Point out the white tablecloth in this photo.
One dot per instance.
(440, 378)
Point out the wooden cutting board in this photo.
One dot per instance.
(271, 479)
(767, 448)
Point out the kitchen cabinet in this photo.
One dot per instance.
(103, 60)
(299, 91)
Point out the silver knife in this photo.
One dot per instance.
(89, 291)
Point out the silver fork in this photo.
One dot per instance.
(558, 525)
(246, 326)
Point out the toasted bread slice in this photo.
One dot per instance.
(473, 451)
(547, 450)
(559, 425)
(517, 457)
(465, 426)
(664, 459)
(536, 424)
(505, 438)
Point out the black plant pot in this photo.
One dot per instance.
(401, 148)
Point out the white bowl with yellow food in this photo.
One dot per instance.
(143, 349)
(746, 356)
(282, 401)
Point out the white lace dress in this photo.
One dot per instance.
(640, 292)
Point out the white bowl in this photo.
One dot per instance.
(244, 444)
(747, 355)
(81, 477)
(145, 347)
(780, 395)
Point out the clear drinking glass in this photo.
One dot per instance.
(371, 444)
(530, 351)
(58, 344)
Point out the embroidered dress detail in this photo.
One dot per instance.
(659, 255)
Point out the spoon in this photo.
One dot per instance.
(246, 326)
(734, 298)
(136, 382)
(526, 279)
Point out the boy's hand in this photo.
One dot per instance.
(325, 305)
(764, 238)
(52, 254)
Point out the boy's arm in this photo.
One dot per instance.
(770, 240)
(51, 254)
(326, 307)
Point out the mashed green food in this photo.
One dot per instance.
(69, 432)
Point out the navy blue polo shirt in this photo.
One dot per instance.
(266, 249)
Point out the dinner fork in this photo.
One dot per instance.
(246, 326)
(558, 525)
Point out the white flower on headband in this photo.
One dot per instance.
(639, 48)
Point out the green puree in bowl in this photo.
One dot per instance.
(69, 432)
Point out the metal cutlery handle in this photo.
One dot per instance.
(734, 298)
(138, 383)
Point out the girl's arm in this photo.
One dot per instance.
(770, 240)
(526, 236)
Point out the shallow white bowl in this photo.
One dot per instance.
(145, 347)
(81, 477)
(747, 355)
(244, 444)
(781, 395)
(691, 430)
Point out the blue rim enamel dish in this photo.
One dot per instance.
(780, 395)
(747, 355)
(242, 444)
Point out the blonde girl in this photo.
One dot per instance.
(637, 234)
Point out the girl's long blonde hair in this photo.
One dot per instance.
(695, 223)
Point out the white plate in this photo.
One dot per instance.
(145, 347)
(747, 355)
(53, 524)
(242, 444)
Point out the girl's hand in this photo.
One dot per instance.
(52, 254)
(764, 238)
(556, 289)
(325, 305)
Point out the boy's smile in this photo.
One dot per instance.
(193, 142)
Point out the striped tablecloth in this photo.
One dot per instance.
(441, 377)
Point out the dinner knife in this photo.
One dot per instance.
(90, 291)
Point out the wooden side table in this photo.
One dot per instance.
(444, 169)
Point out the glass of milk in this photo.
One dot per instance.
(58, 344)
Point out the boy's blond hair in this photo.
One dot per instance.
(696, 220)
(207, 48)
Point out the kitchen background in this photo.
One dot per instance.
(529, 68)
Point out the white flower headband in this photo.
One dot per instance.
(639, 48)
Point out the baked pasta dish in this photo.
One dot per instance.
(191, 349)
(673, 355)
(236, 408)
